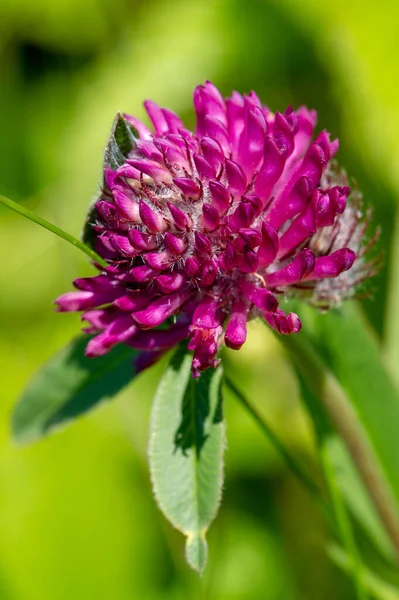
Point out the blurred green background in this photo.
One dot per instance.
(77, 517)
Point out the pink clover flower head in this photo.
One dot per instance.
(205, 231)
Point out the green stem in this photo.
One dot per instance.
(376, 587)
(343, 523)
(25, 212)
(338, 518)
(326, 388)
(290, 461)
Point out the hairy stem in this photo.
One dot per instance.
(25, 212)
(344, 525)
(338, 518)
(326, 388)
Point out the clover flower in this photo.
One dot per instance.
(205, 231)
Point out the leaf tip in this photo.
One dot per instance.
(197, 551)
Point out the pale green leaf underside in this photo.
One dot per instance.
(186, 452)
(68, 385)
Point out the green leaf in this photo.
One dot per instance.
(68, 385)
(121, 141)
(186, 451)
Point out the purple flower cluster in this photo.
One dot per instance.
(203, 232)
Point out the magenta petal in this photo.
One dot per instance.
(128, 207)
(109, 177)
(202, 243)
(208, 272)
(236, 177)
(175, 245)
(149, 150)
(170, 282)
(205, 344)
(235, 118)
(210, 217)
(302, 265)
(161, 309)
(103, 247)
(122, 245)
(329, 204)
(300, 230)
(252, 140)
(141, 274)
(74, 301)
(109, 213)
(228, 259)
(291, 203)
(100, 318)
(206, 330)
(260, 297)
(283, 133)
(157, 117)
(82, 300)
(242, 216)
(333, 264)
(117, 332)
(158, 260)
(251, 237)
(159, 340)
(152, 220)
(236, 330)
(191, 266)
(269, 245)
(313, 163)
(284, 324)
(142, 241)
(255, 202)
(306, 124)
(220, 197)
(143, 131)
(248, 262)
(182, 142)
(173, 122)
(181, 219)
(99, 283)
(215, 129)
(152, 169)
(208, 103)
(188, 186)
(204, 169)
(270, 171)
(205, 314)
(129, 172)
(328, 147)
(172, 154)
(212, 152)
(132, 301)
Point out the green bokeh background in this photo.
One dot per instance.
(77, 517)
